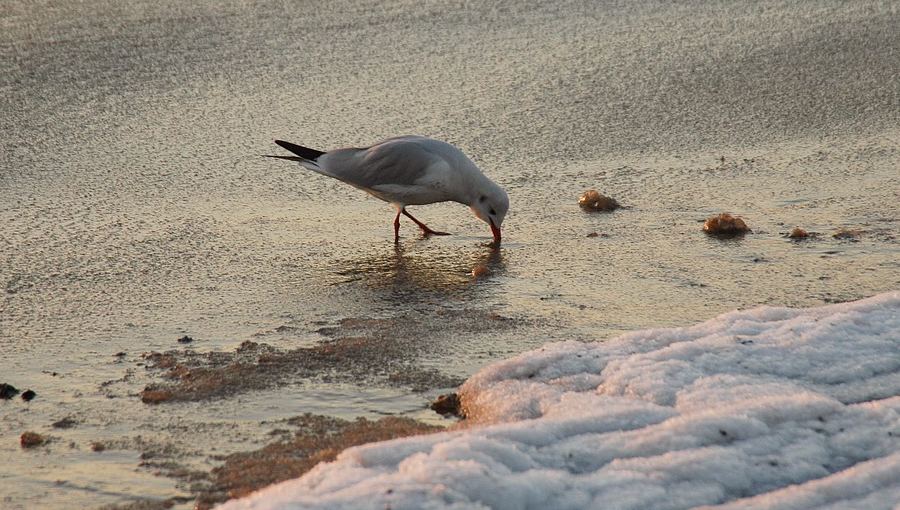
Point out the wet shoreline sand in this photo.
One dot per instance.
(136, 210)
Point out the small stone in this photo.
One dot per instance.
(31, 439)
(97, 446)
(798, 233)
(8, 391)
(28, 395)
(447, 405)
(593, 234)
(185, 340)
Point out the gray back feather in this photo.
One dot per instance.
(402, 160)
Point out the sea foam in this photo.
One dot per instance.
(763, 408)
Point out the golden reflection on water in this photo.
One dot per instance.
(440, 271)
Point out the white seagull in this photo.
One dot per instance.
(410, 170)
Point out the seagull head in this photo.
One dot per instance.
(490, 206)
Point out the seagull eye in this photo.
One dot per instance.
(482, 198)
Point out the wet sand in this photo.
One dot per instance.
(135, 208)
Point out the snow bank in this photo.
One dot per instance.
(766, 408)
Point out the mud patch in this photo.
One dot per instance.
(319, 439)
(375, 351)
(146, 504)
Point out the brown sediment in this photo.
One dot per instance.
(65, 423)
(258, 366)
(146, 504)
(372, 350)
(314, 439)
(593, 200)
(846, 234)
(150, 395)
(725, 225)
(319, 439)
(363, 350)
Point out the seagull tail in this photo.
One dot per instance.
(304, 152)
(304, 155)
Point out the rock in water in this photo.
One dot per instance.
(725, 225)
(592, 200)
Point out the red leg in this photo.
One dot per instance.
(425, 230)
(397, 228)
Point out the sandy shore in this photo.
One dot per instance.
(136, 211)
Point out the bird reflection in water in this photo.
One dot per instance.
(401, 272)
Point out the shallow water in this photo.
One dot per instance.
(135, 209)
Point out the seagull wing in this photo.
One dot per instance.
(404, 161)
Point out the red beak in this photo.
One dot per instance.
(496, 231)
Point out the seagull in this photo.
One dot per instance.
(410, 170)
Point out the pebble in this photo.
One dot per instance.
(7, 391)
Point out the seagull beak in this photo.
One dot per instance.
(496, 231)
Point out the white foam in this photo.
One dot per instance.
(765, 408)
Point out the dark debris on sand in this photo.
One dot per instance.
(318, 439)
(148, 504)
(846, 234)
(65, 423)
(374, 351)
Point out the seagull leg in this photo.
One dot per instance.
(425, 230)
(397, 227)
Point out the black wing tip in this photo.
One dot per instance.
(303, 152)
